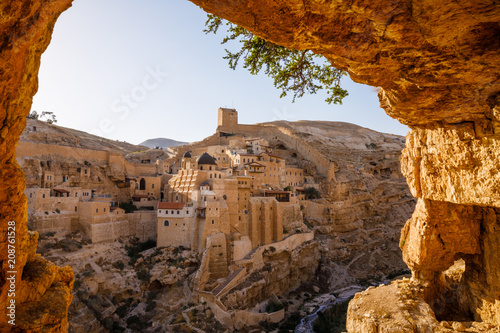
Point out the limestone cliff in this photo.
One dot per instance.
(365, 197)
(43, 292)
(437, 64)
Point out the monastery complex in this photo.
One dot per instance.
(229, 193)
(239, 200)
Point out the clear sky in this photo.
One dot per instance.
(132, 70)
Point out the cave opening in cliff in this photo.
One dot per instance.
(449, 303)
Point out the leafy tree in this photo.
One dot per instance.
(32, 115)
(49, 116)
(311, 193)
(295, 71)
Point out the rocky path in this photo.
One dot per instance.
(188, 321)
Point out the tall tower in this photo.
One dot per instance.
(227, 120)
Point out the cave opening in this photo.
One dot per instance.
(449, 305)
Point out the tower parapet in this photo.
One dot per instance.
(227, 121)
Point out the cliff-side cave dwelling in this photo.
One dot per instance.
(437, 66)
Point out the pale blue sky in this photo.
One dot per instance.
(137, 69)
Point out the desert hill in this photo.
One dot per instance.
(163, 143)
(42, 132)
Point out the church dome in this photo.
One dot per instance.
(206, 159)
(187, 154)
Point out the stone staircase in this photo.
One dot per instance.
(223, 285)
(188, 321)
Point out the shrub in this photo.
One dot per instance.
(151, 305)
(134, 250)
(122, 310)
(143, 275)
(58, 211)
(311, 193)
(137, 324)
(128, 207)
(119, 264)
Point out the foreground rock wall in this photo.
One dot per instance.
(437, 64)
(43, 291)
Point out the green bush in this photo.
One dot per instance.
(134, 250)
(311, 193)
(122, 310)
(151, 305)
(137, 324)
(58, 211)
(119, 265)
(128, 207)
(143, 275)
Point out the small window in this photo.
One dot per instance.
(152, 185)
(105, 210)
(187, 211)
(159, 211)
(178, 212)
(76, 194)
(31, 194)
(172, 212)
(97, 210)
(166, 223)
(76, 208)
(213, 221)
(43, 196)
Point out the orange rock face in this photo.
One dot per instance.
(42, 291)
(437, 63)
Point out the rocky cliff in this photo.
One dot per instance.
(364, 204)
(43, 291)
(437, 64)
(43, 132)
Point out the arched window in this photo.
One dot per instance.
(142, 185)
(166, 223)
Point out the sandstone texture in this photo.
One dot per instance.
(437, 67)
(437, 64)
(43, 296)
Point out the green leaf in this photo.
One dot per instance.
(294, 71)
